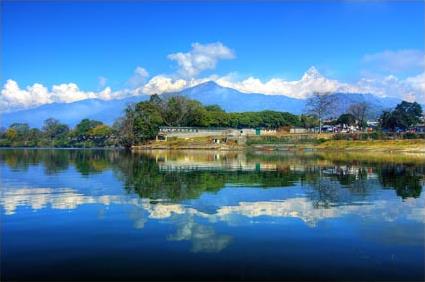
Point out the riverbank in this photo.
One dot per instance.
(413, 146)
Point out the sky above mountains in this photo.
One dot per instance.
(65, 52)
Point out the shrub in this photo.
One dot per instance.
(410, 135)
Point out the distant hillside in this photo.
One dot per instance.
(72, 113)
(232, 100)
(207, 93)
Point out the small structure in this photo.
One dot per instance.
(218, 135)
(297, 130)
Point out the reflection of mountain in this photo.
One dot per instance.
(296, 206)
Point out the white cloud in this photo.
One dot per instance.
(201, 57)
(139, 77)
(396, 61)
(410, 89)
(417, 83)
(14, 98)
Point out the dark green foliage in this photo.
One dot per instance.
(347, 119)
(402, 117)
(87, 133)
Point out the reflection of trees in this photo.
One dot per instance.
(53, 161)
(142, 174)
(57, 160)
(325, 192)
(404, 179)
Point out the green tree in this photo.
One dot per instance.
(146, 121)
(81, 133)
(308, 121)
(22, 131)
(347, 119)
(53, 129)
(11, 134)
(403, 116)
(100, 134)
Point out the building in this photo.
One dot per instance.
(298, 130)
(218, 134)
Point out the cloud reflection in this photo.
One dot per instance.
(203, 237)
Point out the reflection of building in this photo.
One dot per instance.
(228, 161)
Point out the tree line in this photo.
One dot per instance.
(141, 121)
(87, 133)
(405, 115)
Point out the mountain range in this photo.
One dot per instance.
(207, 93)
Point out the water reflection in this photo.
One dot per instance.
(195, 191)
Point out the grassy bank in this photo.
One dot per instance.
(413, 145)
(294, 143)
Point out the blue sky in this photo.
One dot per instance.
(61, 42)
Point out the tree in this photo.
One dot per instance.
(124, 127)
(22, 131)
(175, 111)
(347, 119)
(11, 134)
(147, 119)
(53, 129)
(100, 134)
(403, 116)
(320, 105)
(308, 121)
(214, 108)
(82, 130)
(360, 112)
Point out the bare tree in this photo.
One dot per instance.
(321, 105)
(360, 112)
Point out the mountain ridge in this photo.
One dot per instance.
(207, 93)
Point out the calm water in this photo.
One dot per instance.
(108, 215)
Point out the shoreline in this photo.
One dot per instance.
(407, 146)
(340, 146)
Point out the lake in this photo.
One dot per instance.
(192, 215)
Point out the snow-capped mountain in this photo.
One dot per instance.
(207, 93)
